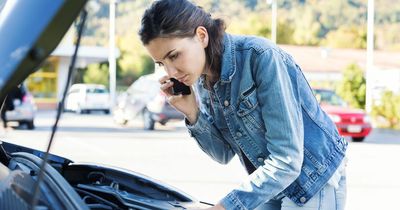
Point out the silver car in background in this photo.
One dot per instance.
(24, 109)
(145, 98)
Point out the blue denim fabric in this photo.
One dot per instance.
(262, 105)
(328, 198)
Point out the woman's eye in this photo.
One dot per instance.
(160, 64)
(174, 56)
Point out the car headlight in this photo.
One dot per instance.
(366, 119)
(335, 118)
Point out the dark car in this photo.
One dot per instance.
(24, 109)
(351, 122)
(29, 31)
(145, 98)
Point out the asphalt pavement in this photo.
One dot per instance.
(169, 154)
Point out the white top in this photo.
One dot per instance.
(334, 180)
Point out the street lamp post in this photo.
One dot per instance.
(274, 19)
(111, 55)
(370, 55)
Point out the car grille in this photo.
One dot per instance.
(352, 119)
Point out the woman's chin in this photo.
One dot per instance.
(187, 81)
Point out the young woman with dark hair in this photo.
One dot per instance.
(249, 98)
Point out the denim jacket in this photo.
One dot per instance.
(262, 107)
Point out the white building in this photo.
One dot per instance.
(323, 64)
(48, 83)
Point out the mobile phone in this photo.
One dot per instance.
(179, 88)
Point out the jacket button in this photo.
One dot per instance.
(226, 103)
(260, 159)
(238, 134)
(303, 199)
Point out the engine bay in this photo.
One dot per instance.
(69, 185)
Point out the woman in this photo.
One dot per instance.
(249, 99)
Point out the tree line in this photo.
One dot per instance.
(335, 24)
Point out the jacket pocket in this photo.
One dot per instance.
(249, 111)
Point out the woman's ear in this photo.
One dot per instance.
(202, 35)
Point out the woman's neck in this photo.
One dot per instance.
(211, 77)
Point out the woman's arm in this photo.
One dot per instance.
(207, 135)
(278, 98)
(210, 139)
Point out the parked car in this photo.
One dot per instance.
(84, 98)
(351, 122)
(25, 43)
(145, 98)
(24, 109)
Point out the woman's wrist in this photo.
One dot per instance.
(192, 117)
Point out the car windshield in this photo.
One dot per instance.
(329, 97)
(96, 90)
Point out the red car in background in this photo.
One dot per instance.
(351, 122)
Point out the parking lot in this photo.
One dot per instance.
(170, 155)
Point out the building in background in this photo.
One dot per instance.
(326, 65)
(48, 82)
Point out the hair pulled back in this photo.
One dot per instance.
(180, 18)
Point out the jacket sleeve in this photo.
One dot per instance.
(278, 97)
(210, 139)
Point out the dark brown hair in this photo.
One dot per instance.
(180, 18)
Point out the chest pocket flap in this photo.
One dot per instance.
(248, 101)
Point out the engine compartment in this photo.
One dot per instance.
(69, 185)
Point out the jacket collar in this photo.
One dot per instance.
(228, 63)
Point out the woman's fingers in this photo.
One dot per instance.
(165, 87)
(174, 98)
(163, 79)
(166, 84)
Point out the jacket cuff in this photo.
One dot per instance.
(200, 126)
(231, 202)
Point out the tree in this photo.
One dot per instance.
(388, 108)
(352, 88)
(347, 37)
(307, 28)
(285, 33)
(97, 74)
(340, 23)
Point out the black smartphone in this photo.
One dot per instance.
(179, 88)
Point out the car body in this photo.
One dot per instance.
(354, 123)
(84, 98)
(24, 109)
(70, 185)
(64, 185)
(145, 98)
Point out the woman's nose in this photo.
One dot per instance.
(171, 71)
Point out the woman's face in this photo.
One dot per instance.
(182, 58)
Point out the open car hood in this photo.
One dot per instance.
(29, 32)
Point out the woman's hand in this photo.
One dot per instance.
(184, 103)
